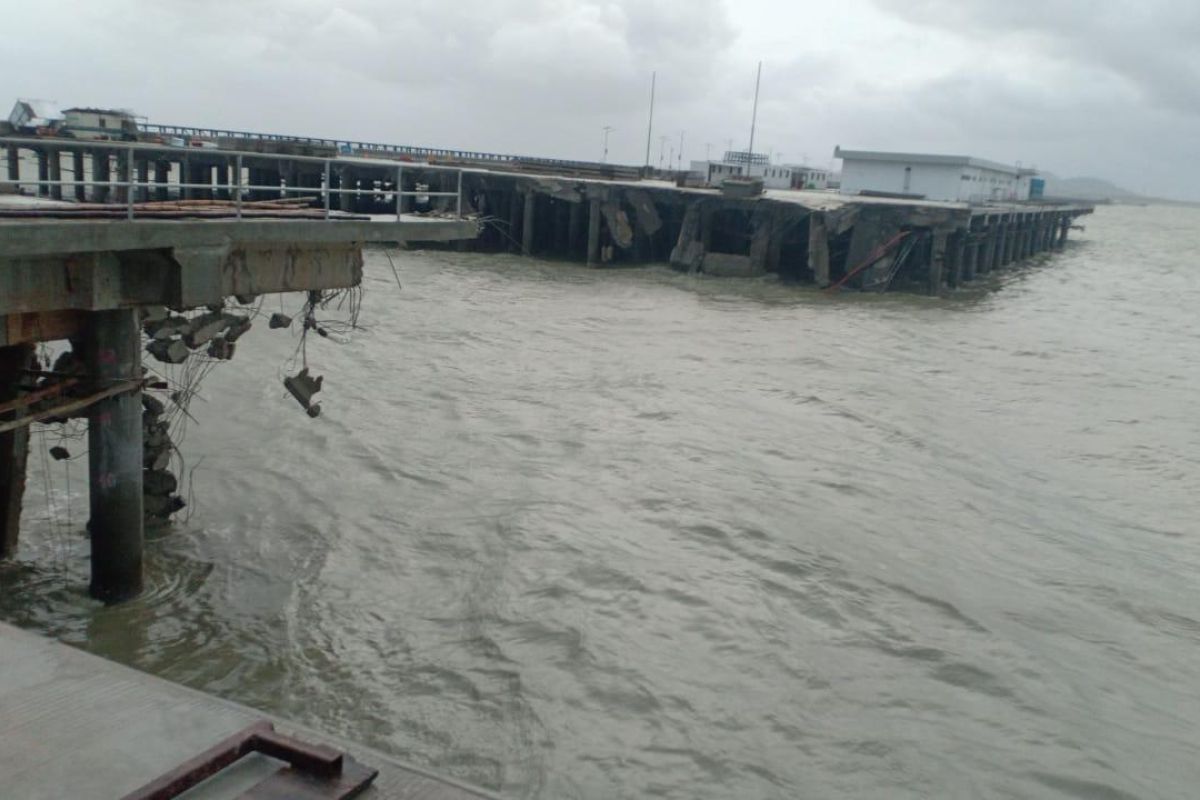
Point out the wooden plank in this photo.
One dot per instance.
(66, 409)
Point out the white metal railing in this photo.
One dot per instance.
(235, 162)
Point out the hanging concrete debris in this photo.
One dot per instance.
(159, 485)
(303, 387)
(59, 453)
(648, 219)
(279, 321)
(618, 224)
(172, 351)
(221, 349)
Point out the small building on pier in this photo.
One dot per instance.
(736, 164)
(806, 177)
(923, 176)
(100, 123)
(32, 116)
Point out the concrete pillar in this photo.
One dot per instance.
(143, 176)
(514, 220)
(55, 173)
(971, 260)
(100, 172)
(1063, 231)
(222, 181)
(14, 450)
(957, 255)
(527, 229)
(113, 353)
(162, 176)
(13, 157)
(186, 176)
(937, 262)
(77, 167)
(574, 223)
(43, 169)
(818, 249)
(593, 240)
(124, 171)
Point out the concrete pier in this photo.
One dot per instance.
(84, 281)
(113, 356)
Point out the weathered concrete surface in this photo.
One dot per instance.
(29, 238)
(77, 726)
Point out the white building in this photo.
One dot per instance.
(805, 177)
(29, 115)
(931, 177)
(100, 123)
(738, 164)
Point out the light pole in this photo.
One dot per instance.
(650, 121)
(679, 164)
(662, 148)
(607, 130)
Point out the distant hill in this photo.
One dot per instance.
(1087, 189)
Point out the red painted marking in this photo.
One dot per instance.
(104, 418)
(106, 480)
(107, 355)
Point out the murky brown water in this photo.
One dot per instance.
(567, 533)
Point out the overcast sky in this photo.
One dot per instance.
(1105, 88)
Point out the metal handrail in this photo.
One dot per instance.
(235, 161)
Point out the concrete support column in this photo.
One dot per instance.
(14, 450)
(956, 256)
(101, 173)
(971, 261)
(77, 167)
(124, 170)
(143, 176)
(222, 181)
(1063, 231)
(527, 229)
(55, 173)
(514, 220)
(937, 262)
(186, 176)
(1010, 242)
(43, 169)
(115, 457)
(13, 158)
(593, 241)
(574, 223)
(818, 249)
(162, 176)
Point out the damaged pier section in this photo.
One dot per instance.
(864, 243)
(121, 290)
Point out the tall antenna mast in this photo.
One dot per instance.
(754, 117)
(650, 124)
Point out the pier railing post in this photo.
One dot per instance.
(327, 189)
(127, 179)
(237, 184)
(113, 354)
(399, 192)
(458, 206)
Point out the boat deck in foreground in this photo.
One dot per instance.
(73, 725)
